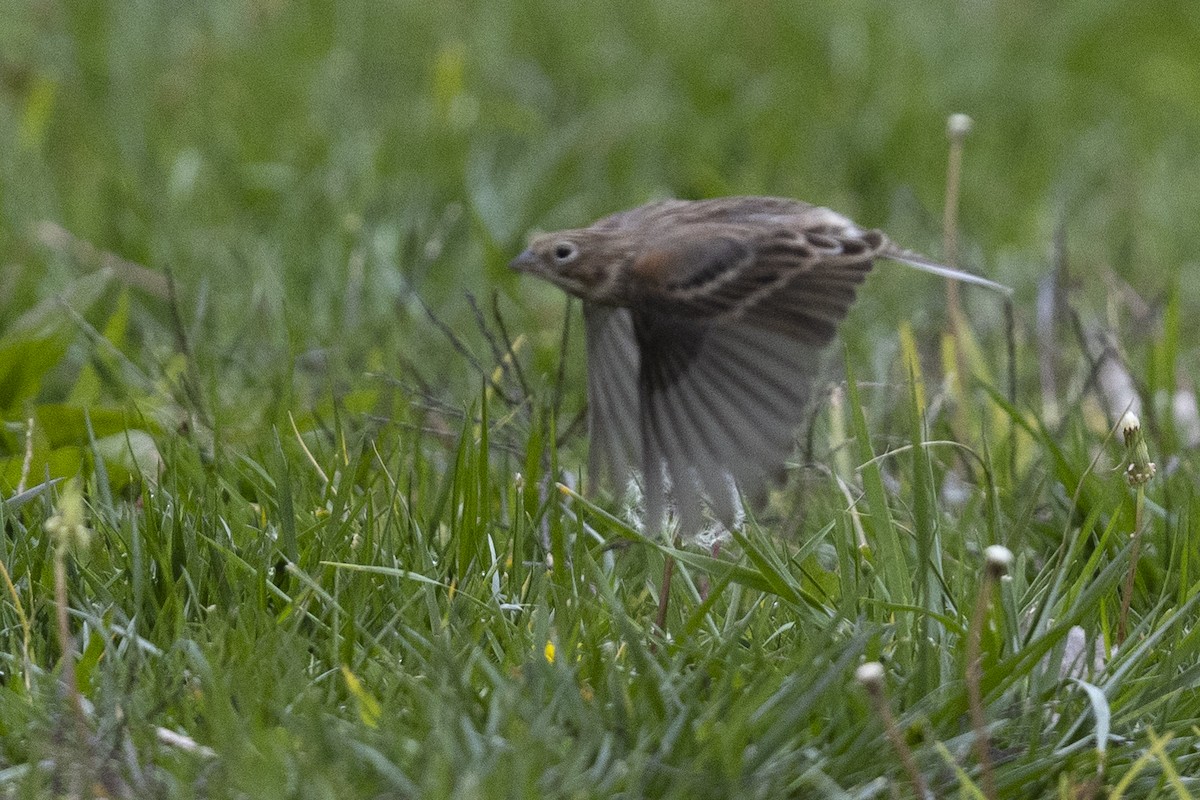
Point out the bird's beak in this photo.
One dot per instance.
(525, 262)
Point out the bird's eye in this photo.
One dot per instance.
(565, 252)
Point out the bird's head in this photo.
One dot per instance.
(585, 263)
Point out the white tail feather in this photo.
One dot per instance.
(922, 263)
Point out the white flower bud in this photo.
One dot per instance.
(1140, 469)
(958, 126)
(870, 674)
(1130, 426)
(999, 558)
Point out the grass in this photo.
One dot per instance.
(253, 292)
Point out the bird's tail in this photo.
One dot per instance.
(924, 264)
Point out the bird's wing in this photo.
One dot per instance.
(752, 209)
(790, 279)
(612, 392)
(720, 402)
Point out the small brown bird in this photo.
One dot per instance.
(704, 320)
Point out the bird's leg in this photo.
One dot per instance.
(664, 592)
(702, 584)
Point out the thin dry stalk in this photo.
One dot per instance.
(870, 675)
(1138, 472)
(957, 128)
(998, 560)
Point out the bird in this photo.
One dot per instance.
(704, 321)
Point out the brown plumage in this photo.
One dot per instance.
(704, 321)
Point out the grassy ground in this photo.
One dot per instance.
(240, 244)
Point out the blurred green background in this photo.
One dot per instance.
(304, 170)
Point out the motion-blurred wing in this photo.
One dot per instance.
(612, 390)
(720, 404)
